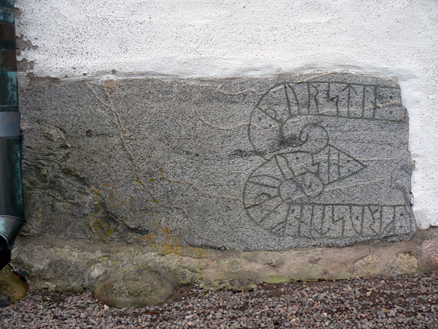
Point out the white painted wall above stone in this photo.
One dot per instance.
(193, 38)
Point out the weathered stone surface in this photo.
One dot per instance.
(137, 287)
(68, 264)
(74, 265)
(12, 288)
(254, 164)
(403, 263)
(369, 265)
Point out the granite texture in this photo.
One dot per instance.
(245, 164)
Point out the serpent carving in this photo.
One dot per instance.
(283, 194)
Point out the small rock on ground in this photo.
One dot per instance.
(136, 288)
(12, 288)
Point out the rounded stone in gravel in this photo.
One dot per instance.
(12, 288)
(136, 288)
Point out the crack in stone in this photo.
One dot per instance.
(123, 132)
(352, 185)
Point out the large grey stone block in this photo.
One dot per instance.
(253, 164)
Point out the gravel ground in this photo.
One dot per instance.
(372, 302)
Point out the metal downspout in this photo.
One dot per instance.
(11, 182)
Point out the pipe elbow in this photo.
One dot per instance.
(10, 226)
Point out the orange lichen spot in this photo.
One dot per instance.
(94, 191)
(138, 182)
(165, 230)
(177, 240)
(167, 248)
(150, 237)
(152, 179)
(88, 226)
(156, 201)
(200, 253)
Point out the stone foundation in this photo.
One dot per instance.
(75, 265)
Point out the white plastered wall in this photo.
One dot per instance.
(214, 38)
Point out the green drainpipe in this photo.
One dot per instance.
(11, 182)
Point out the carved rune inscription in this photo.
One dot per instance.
(335, 161)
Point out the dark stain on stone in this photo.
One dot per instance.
(407, 169)
(34, 80)
(313, 260)
(244, 154)
(288, 141)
